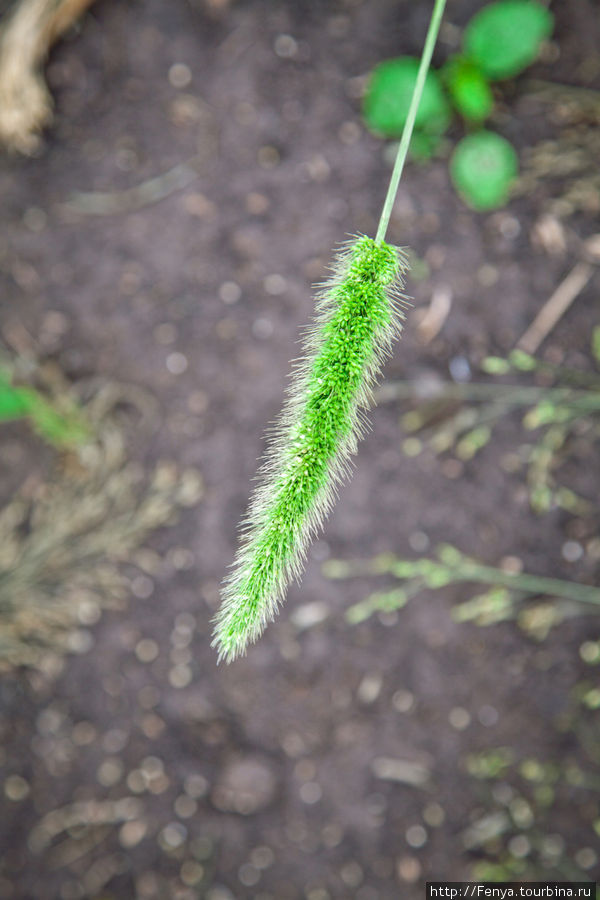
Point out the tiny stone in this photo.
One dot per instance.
(181, 558)
(403, 701)
(309, 614)
(416, 836)
(590, 651)
(572, 551)
(176, 363)
(136, 781)
(173, 835)
(262, 328)
(460, 369)
(245, 786)
(256, 203)
(195, 785)
(487, 275)
(369, 688)
(185, 807)
(80, 641)
(434, 814)
(411, 446)
(219, 892)
(191, 872)
(511, 564)
(310, 792)
(180, 75)
(55, 322)
(180, 676)
(226, 329)
(230, 292)
(83, 733)
(200, 206)
(146, 650)
(268, 157)
(509, 227)
(131, 833)
(452, 468)
(408, 869)
(459, 718)
(262, 857)
(35, 219)
(148, 696)
(110, 772)
(248, 875)
(16, 788)
(285, 46)
(197, 402)
(586, 858)
(349, 133)
(332, 834)
(275, 284)
(318, 168)
(142, 587)
(351, 874)
(418, 541)
(488, 715)
(115, 740)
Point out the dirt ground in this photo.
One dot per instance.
(333, 761)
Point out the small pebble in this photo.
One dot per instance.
(416, 836)
(572, 551)
(180, 75)
(262, 328)
(275, 284)
(403, 701)
(434, 814)
(460, 369)
(172, 836)
(285, 46)
(459, 718)
(131, 833)
(310, 792)
(16, 788)
(146, 650)
(408, 869)
(191, 872)
(248, 875)
(586, 858)
(230, 292)
(176, 363)
(488, 715)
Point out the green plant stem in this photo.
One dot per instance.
(510, 395)
(531, 584)
(432, 33)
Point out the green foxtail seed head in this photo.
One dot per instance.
(358, 315)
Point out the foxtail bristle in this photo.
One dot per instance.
(358, 315)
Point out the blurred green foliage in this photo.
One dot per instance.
(499, 42)
(388, 97)
(59, 423)
(482, 168)
(504, 38)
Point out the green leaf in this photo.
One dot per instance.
(522, 361)
(423, 146)
(505, 37)
(495, 365)
(483, 167)
(468, 88)
(388, 97)
(596, 343)
(14, 402)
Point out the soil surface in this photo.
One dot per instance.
(333, 761)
